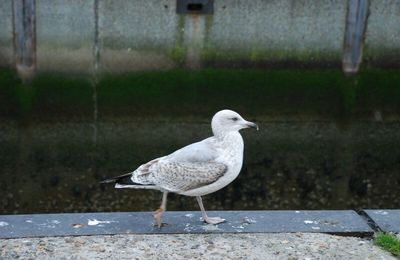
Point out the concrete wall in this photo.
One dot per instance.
(383, 32)
(279, 29)
(6, 40)
(65, 34)
(149, 35)
(136, 35)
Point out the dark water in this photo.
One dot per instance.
(288, 164)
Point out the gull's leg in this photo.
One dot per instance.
(215, 220)
(163, 207)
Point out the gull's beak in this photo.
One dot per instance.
(251, 125)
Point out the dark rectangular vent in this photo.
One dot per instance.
(195, 6)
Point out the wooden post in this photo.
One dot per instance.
(24, 26)
(356, 24)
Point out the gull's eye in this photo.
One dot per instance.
(235, 118)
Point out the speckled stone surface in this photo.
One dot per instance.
(193, 246)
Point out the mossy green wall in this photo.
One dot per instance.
(271, 93)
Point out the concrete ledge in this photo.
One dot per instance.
(387, 220)
(340, 222)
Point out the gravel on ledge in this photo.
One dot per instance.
(194, 246)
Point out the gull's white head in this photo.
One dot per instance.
(228, 121)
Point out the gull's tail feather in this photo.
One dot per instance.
(124, 178)
(136, 186)
(125, 181)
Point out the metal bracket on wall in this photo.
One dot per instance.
(195, 7)
(356, 24)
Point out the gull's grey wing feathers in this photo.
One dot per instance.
(184, 176)
(190, 167)
(203, 151)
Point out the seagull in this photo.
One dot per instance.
(195, 170)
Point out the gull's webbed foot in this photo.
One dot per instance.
(214, 220)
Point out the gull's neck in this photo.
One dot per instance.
(227, 136)
(232, 144)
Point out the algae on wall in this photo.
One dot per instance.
(325, 94)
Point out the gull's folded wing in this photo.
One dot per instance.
(184, 176)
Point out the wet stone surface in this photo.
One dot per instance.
(385, 219)
(346, 223)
